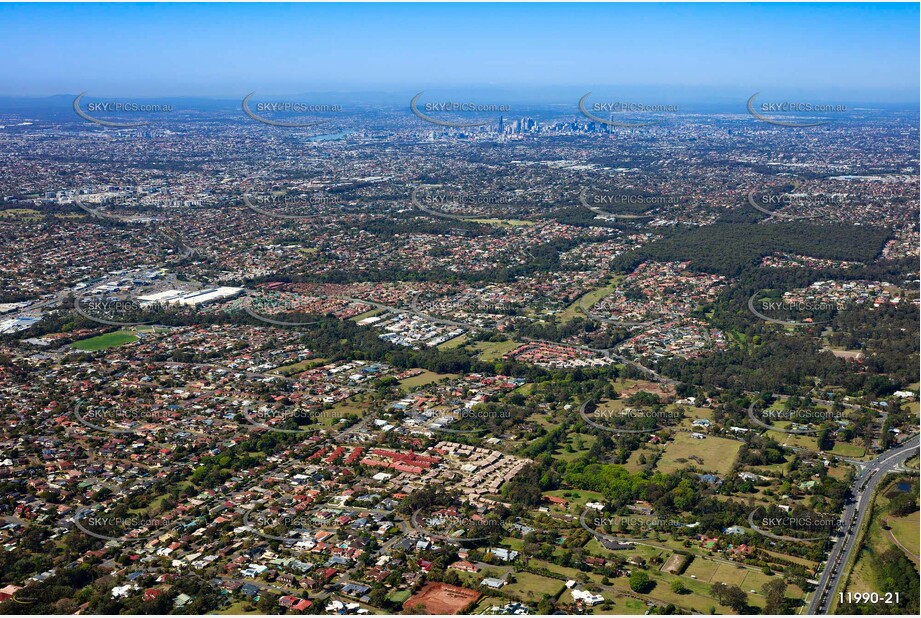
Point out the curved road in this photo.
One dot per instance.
(862, 491)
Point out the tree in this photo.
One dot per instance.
(678, 587)
(774, 596)
(730, 596)
(640, 582)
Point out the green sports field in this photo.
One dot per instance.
(103, 342)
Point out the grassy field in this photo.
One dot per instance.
(907, 531)
(398, 596)
(845, 449)
(426, 377)
(699, 576)
(493, 350)
(367, 314)
(239, 608)
(718, 454)
(341, 410)
(582, 304)
(22, 214)
(541, 419)
(622, 605)
(571, 449)
(453, 343)
(576, 496)
(633, 464)
(304, 365)
(104, 342)
(531, 588)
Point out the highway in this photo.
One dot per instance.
(856, 511)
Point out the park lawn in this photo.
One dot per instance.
(484, 604)
(582, 304)
(839, 473)
(718, 454)
(729, 574)
(564, 453)
(646, 552)
(23, 214)
(340, 410)
(906, 530)
(846, 449)
(702, 570)
(771, 469)
(633, 462)
(576, 497)
(566, 572)
(914, 406)
(106, 341)
(367, 314)
(494, 350)
(424, 378)
(531, 588)
(512, 542)
(525, 389)
(239, 608)
(398, 596)
(804, 441)
(542, 419)
(621, 606)
(158, 500)
(304, 365)
(453, 343)
(663, 592)
(610, 405)
(692, 412)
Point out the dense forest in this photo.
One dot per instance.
(729, 248)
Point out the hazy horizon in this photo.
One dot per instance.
(694, 52)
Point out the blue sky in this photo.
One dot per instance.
(866, 52)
